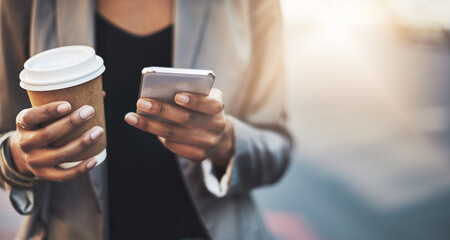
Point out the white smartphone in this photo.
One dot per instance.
(163, 83)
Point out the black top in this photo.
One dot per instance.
(147, 196)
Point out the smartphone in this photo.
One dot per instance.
(163, 83)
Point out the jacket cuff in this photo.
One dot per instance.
(21, 193)
(233, 180)
(243, 146)
(217, 185)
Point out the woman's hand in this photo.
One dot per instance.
(200, 128)
(30, 143)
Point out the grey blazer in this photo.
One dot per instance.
(241, 41)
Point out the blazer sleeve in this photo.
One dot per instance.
(262, 141)
(14, 31)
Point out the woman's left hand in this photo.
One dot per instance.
(200, 127)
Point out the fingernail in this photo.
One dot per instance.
(182, 98)
(63, 108)
(96, 133)
(144, 104)
(91, 164)
(87, 112)
(130, 118)
(163, 140)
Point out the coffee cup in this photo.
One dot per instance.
(72, 74)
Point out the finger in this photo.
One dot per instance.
(211, 104)
(166, 111)
(187, 151)
(195, 137)
(104, 94)
(62, 175)
(45, 157)
(182, 115)
(32, 117)
(56, 130)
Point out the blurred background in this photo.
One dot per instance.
(369, 103)
(368, 85)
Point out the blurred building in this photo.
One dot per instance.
(419, 20)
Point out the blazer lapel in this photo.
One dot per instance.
(75, 22)
(42, 29)
(191, 17)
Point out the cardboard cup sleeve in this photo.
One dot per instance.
(88, 93)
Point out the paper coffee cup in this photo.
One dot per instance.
(73, 74)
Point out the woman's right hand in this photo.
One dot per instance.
(30, 143)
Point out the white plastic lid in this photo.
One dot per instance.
(60, 68)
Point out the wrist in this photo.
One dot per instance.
(223, 155)
(14, 158)
(8, 173)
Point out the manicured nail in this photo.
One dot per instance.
(130, 118)
(144, 104)
(182, 98)
(91, 164)
(96, 133)
(87, 112)
(63, 108)
(163, 140)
